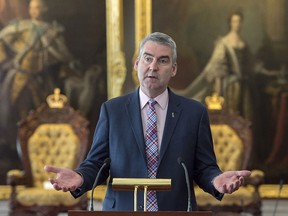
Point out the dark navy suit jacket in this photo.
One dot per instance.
(119, 135)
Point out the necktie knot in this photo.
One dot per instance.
(152, 102)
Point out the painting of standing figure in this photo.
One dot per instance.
(42, 48)
(233, 49)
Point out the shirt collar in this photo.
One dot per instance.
(161, 99)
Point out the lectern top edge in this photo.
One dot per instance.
(141, 181)
(131, 183)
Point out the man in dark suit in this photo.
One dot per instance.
(183, 130)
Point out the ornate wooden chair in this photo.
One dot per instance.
(232, 144)
(55, 134)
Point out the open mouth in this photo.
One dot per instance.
(152, 77)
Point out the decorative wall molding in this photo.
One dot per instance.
(116, 69)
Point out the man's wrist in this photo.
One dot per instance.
(214, 183)
(82, 178)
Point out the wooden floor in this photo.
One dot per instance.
(268, 208)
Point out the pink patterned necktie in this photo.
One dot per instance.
(152, 152)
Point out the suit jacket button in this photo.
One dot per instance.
(140, 207)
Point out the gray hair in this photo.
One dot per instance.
(160, 38)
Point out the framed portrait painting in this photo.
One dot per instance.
(47, 44)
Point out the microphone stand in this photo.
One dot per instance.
(180, 161)
(106, 162)
(279, 193)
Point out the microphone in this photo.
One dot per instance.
(106, 163)
(279, 193)
(181, 162)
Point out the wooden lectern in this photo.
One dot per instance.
(123, 213)
(141, 184)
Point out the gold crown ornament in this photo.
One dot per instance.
(214, 102)
(56, 100)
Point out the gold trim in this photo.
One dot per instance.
(5, 191)
(271, 191)
(142, 20)
(143, 23)
(116, 69)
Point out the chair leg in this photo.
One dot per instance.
(254, 210)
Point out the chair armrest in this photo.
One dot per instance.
(16, 177)
(256, 178)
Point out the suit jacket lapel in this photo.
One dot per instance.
(173, 114)
(134, 116)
